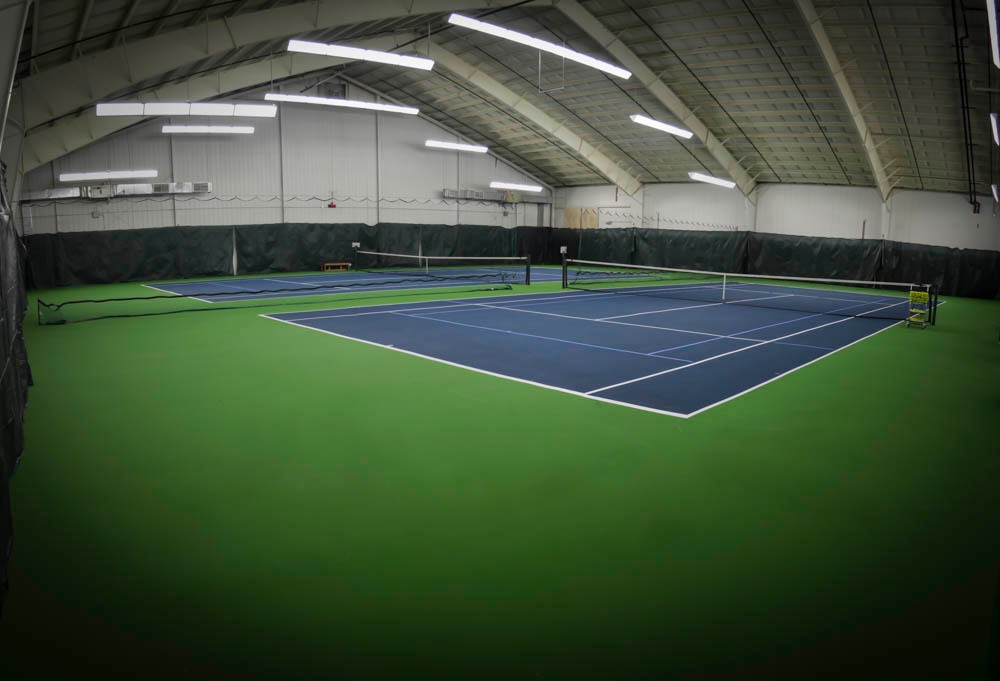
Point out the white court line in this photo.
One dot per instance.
(179, 295)
(460, 302)
(482, 371)
(533, 296)
(725, 354)
(877, 297)
(603, 321)
(793, 369)
(296, 283)
(692, 307)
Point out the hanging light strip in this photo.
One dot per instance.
(107, 175)
(207, 129)
(359, 54)
(700, 177)
(515, 187)
(660, 125)
(186, 109)
(457, 146)
(538, 44)
(991, 12)
(348, 103)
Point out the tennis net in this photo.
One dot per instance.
(838, 297)
(459, 269)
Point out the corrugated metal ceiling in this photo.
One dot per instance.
(749, 69)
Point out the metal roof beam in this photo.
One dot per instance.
(815, 24)
(13, 18)
(82, 26)
(569, 140)
(69, 134)
(71, 86)
(126, 20)
(596, 30)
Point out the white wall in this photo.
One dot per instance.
(933, 218)
(942, 219)
(697, 206)
(373, 166)
(820, 210)
(614, 207)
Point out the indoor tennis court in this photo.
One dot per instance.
(590, 339)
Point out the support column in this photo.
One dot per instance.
(13, 17)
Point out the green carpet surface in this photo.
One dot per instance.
(221, 496)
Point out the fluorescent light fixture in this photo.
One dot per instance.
(996, 194)
(993, 123)
(167, 108)
(538, 44)
(991, 11)
(107, 175)
(120, 109)
(435, 144)
(515, 187)
(208, 129)
(699, 177)
(659, 125)
(212, 109)
(186, 109)
(360, 54)
(349, 103)
(255, 111)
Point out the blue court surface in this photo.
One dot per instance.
(290, 286)
(671, 356)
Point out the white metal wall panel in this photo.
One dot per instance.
(307, 162)
(244, 170)
(942, 219)
(698, 207)
(289, 171)
(354, 181)
(614, 206)
(809, 210)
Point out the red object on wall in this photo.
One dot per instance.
(331, 205)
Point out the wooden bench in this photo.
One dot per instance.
(336, 266)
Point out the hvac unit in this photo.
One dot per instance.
(98, 191)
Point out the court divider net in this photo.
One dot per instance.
(340, 290)
(500, 269)
(837, 297)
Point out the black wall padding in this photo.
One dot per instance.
(542, 244)
(129, 255)
(41, 262)
(804, 256)
(294, 247)
(607, 245)
(15, 373)
(955, 271)
(485, 241)
(135, 255)
(693, 250)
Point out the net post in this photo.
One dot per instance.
(933, 290)
(724, 280)
(565, 266)
(527, 270)
(356, 246)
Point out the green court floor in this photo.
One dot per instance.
(220, 496)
